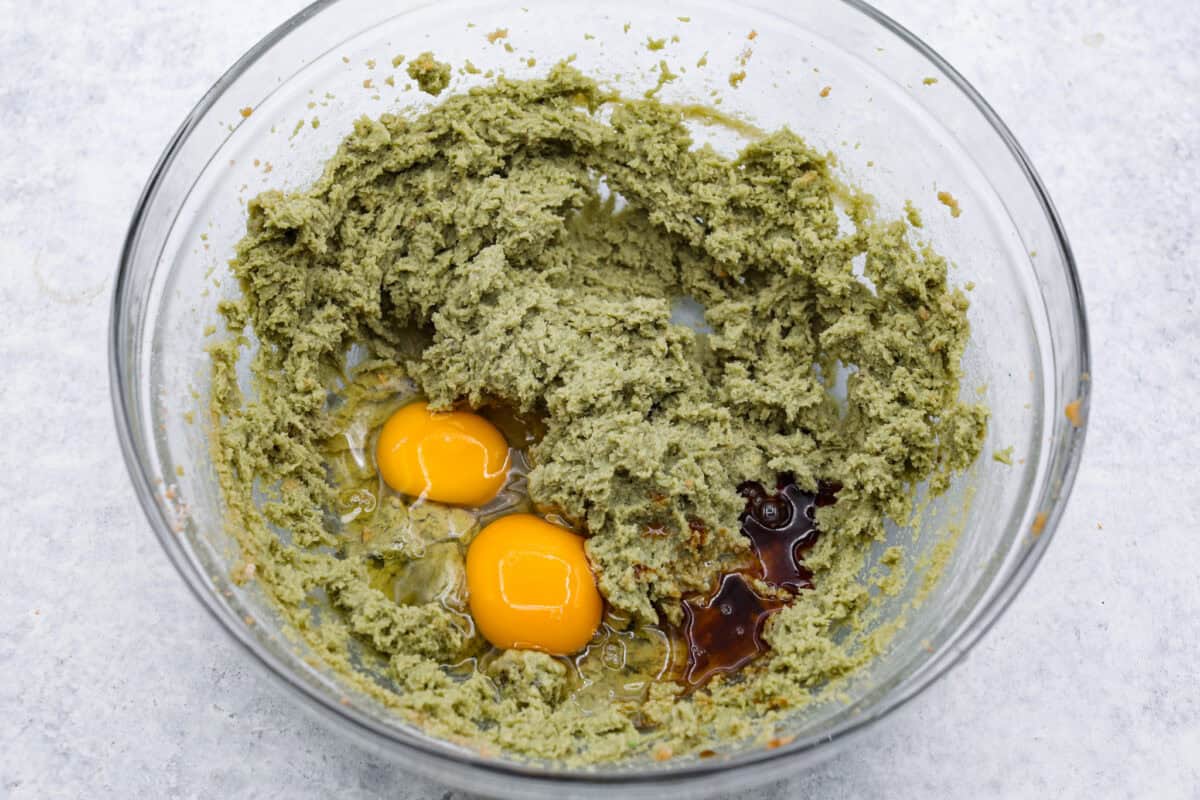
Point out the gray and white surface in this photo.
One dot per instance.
(114, 682)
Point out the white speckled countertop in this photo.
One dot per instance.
(113, 682)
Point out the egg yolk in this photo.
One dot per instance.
(531, 588)
(453, 457)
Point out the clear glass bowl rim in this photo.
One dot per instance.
(369, 731)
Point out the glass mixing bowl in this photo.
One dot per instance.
(905, 126)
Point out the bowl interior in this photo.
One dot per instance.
(902, 128)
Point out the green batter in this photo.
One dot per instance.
(524, 245)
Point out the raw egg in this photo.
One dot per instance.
(531, 588)
(453, 457)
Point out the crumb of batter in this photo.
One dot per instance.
(1074, 412)
(665, 76)
(432, 76)
(912, 214)
(950, 202)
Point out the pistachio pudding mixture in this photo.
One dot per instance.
(482, 452)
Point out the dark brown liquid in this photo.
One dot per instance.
(723, 633)
(781, 527)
